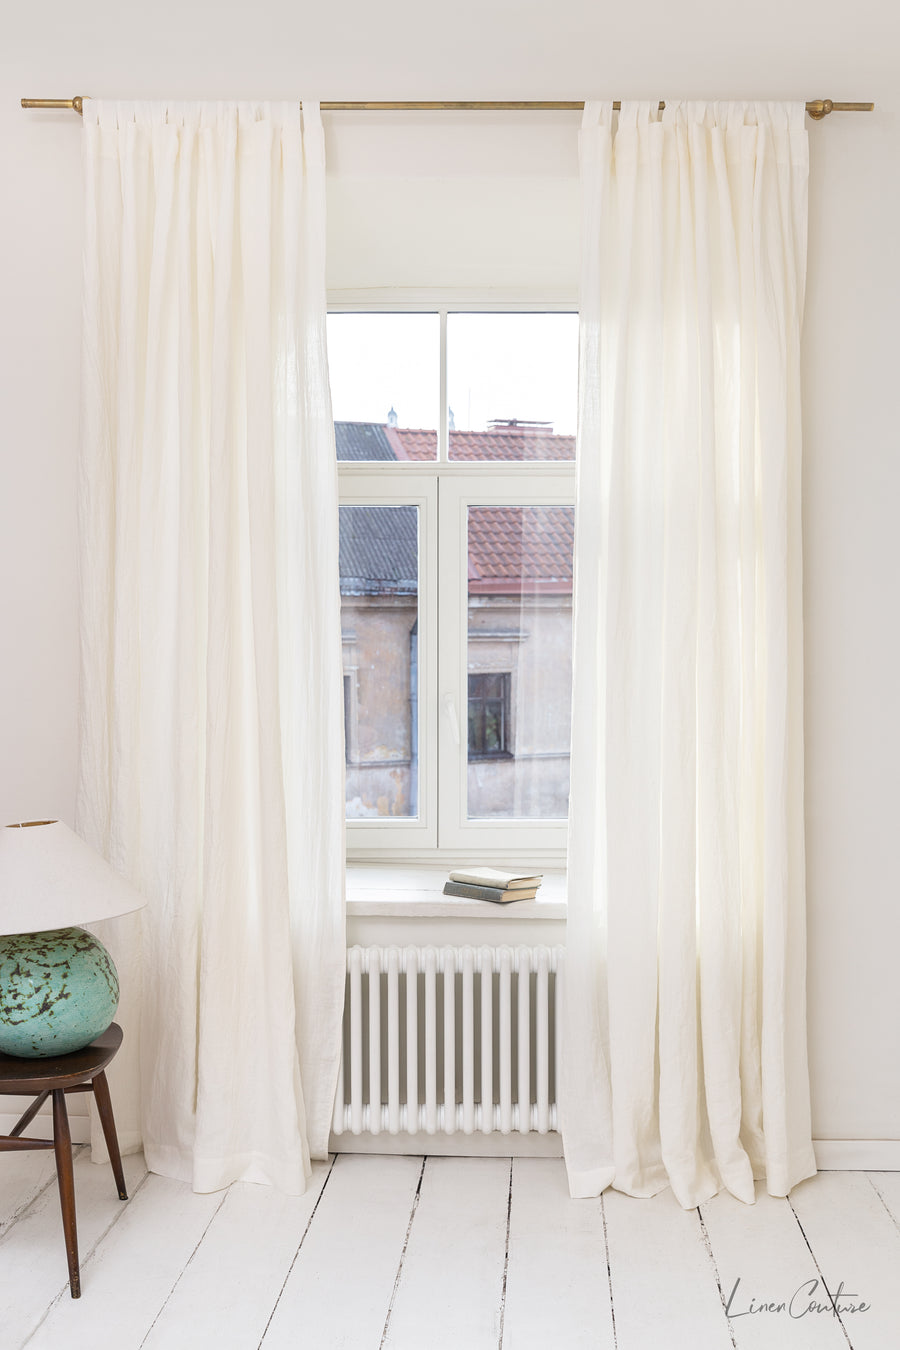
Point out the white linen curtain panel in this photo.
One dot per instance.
(686, 1058)
(211, 761)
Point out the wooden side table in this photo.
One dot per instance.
(81, 1071)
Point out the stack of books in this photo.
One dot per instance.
(488, 883)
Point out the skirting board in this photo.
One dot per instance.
(857, 1155)
(42, 1125)
(832, 1155)
(452, 1145)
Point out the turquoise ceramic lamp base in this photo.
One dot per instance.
(58, 991)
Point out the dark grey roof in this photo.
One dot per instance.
(378, 550)
(361, 441)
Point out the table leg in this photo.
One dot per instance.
(62, 1147)
(104, 1108)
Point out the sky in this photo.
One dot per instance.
(499, 367)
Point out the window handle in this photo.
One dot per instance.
(450, 710)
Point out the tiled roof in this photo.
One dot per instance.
(362, 441)
(511, 548)
(520, 548)
(510, 443)
(410, 443)
(378, 550)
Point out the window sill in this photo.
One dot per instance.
(410, 891)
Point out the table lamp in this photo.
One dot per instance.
(58, 985)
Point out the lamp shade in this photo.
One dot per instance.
(49, 878)
(58, 984)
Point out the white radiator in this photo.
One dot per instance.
(449, 1039)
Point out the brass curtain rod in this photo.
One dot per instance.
(816, 107)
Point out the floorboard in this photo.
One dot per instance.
(856, 1246)
(452, 1277)
(557, 1284)
(339, 1290)
(33, 1253)
(132, 1271)
(233, 1281)
(412, 1253)
(762, 1259)
(22, 1178)
(887, 1186)
(663, 1279)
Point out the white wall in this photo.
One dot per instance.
(486, 201)
(496, 49)
(852, 613)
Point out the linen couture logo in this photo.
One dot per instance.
(812, 1298)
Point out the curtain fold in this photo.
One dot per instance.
(211, 721)
(685, 1044)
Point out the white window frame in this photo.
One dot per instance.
(456, 496)
(365, 487)
(443, 490)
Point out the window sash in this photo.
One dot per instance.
(392, 833)
(457, 494)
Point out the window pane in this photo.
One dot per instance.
(379, 550)
(512, 384)
(519, 661)
(488, 715)
(384, 371)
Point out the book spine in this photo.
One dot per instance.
(473, 892)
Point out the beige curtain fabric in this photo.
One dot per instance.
(211, 768)
(685, 1035)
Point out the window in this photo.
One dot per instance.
(379, 569)
(455, 436)
(489, 735)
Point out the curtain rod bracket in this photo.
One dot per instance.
(819, 108)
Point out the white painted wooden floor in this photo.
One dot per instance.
(435, 1253)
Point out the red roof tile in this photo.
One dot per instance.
(520, 548)
(510, 443)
